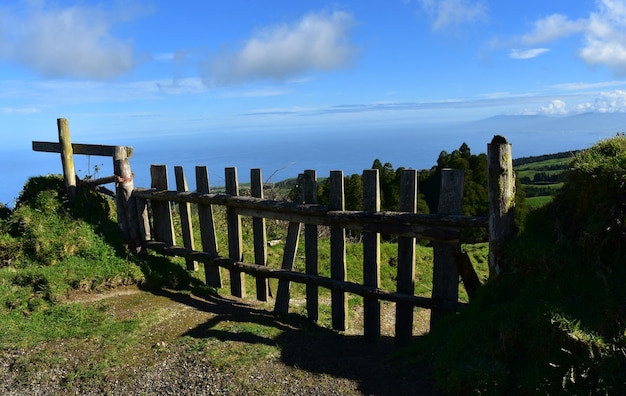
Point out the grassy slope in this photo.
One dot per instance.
(52, 250)
(556, 323)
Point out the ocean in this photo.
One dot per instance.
(283, 154)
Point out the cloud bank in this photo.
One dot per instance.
(65, 42)
(318, 41)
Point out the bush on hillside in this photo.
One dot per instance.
(556, 325)
(591, 207)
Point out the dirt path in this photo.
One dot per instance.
(216, 345)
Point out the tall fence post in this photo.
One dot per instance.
(235, 239)
(501, 196)
(283, 292)
(406, 260)
(207, 228)
(259, 232)
(339, 303)
(162, 212)
(127, 213)
(67, 158)
(371, 257)
(445, 273)
(184, 210)
(311, 246)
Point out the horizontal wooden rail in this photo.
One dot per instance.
(299, 277)
(441, 228)
(83, 149)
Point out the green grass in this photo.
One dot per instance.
(555, 322)
(51, 249)
(538, 202)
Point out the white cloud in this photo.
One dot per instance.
(584, 85)
(446, 13)
(603, 34)
(18, 110)
(556, 107)
(605, 37)
(552, 28)
(316, 42)
(65, 42)
(527, 54)
(607, 102)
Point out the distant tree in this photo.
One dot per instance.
(353, 192)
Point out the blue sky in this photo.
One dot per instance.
(143, 69)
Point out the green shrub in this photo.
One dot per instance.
(557, 324)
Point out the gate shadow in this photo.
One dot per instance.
(378, 368)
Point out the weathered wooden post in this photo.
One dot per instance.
(371, 257)
(235, 239)
(283, 293)
(445, 273)
(207, 228)
(406, 260)
(67, 158)
(311, 246)
(501, 195)
(260, 235)
(339, 303)
(161, 211)
(184, 210)
(127, 214)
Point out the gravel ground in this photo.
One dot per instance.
(310, 360)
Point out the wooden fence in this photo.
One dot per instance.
(146, 219)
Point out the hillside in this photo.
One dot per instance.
(542, 177)
(555, 322)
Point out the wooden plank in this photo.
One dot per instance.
(213, 277)
(289, 257)
(433, 226)
(294, 276)
(501, 201)
(339, 303)
(67, 158)
(406, 259)
(82, 149)
(260, 235)
(235, 240)
(161, 211)
(185, 216)
(311, 247)
(371, 257)
(445, 274)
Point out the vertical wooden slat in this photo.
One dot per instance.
(235, 241)
(445, 273)
(339, 303)
(67, 158)
(185, 216)
(143, 216)
(289, 255)
(207, 228)
(406, 259)
(310, 246)
(260, 235)
(371, 257)
(501, 197)
(127, 217)
(161, 211)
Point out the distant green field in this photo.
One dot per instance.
(537, 202)
(541, 189)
